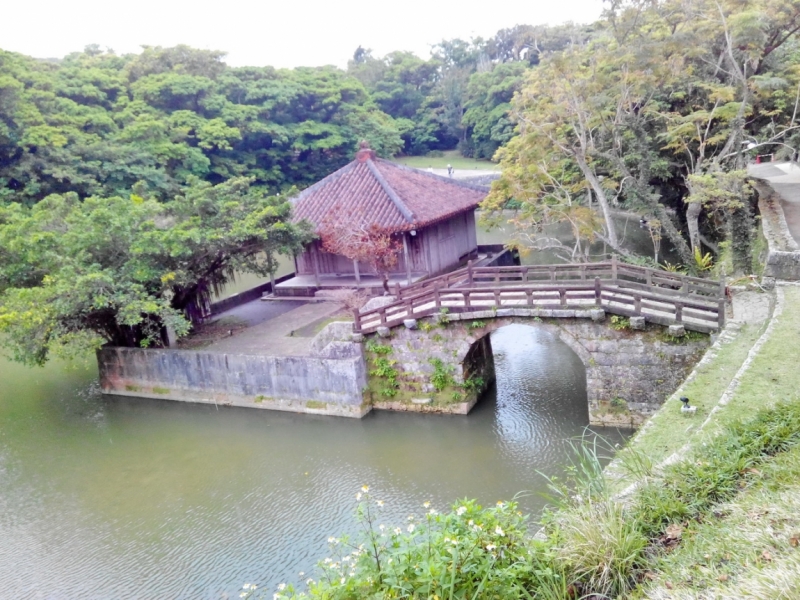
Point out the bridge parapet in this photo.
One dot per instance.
(658, 296)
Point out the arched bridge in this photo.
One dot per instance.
(617, 288)
(634, 370)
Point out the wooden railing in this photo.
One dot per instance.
(660, 296)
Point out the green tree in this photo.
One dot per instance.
(75, 274)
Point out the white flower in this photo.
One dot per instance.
(327, 560)
(410, 528)
(432, 511)
(309, 581)
(379, 502)
(461, 510)
(410, 517)
(381, 526)
(426, 504)
(244, 594)
(499, 531)
(300, 574)
(490, 547)
(358, 496)
(500, 504)
(281, 587)
(333, 540)
(342, 580)
(470, 522)
(397, 531)
(365, 488)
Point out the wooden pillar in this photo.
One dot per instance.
(405, 257)
(315, 260)
(356, 321)
(357, 272)
(614, 268)
(469, 270)
(598, 293)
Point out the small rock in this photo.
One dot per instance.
(421, 400)
(357, 337)
(677, 330)
(410, 323)
(768, 283)
(384, 332)
(637, 322)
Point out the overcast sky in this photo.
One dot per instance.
(285, 33)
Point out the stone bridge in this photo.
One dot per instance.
(638, 332)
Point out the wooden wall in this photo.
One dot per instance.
(434, 249)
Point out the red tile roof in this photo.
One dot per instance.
(395, 197)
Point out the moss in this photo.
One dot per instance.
(133, 388)
(316, 405)
(161, 390)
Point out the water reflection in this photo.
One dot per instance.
(130, 498)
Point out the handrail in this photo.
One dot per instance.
(610, 282)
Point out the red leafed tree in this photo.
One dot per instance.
(361, 241)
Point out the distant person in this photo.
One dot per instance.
(449, 170)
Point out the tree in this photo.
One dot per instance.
(354, 237)
(78, 274)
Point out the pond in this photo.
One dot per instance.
(109, 497)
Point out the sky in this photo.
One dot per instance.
(284, 33)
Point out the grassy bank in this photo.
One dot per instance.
(721, 520)
(450, 157)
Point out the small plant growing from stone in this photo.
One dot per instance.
(618, 405)
(443, 317)
(474, 384)
(426, 326)
(619, 323)
(383, 368)
(476, 324)
(441, 377)
(436, 337)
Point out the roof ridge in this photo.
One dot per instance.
(453, 180)
(398, 202)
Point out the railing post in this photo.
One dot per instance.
(436, 297)
(497, 298)
(583, 272)
(529, 294)
(649, 273)
(678, 312)
(614, 268)
(467, 302)
(383, 315)
(562, 296)
(597, 292)
(356, 321)
(684, 285)
(469, 270)
(721, 313)
(397, 290)
(637, 305)
(552, 270)
(525, 274)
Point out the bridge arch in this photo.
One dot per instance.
(629, 373)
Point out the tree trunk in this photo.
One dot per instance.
(693, 210)
(611, 229)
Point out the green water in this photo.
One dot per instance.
(109, 497)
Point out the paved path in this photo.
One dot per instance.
(274, 336)
(785, 180)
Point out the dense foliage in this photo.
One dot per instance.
(658, 112)
(96, 123)
(76, 274)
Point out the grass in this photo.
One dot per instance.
(451, 157)
(669, 429)
(206, 333)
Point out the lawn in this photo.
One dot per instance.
(451, 157)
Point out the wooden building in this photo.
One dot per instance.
(434, 216)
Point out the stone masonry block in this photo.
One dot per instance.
(598, 314)
(677, 330)
(410, 323)
(637, 322)
(384, 332)
(357, 337)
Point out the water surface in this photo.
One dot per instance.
(109, 497)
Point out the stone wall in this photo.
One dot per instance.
(315, 384)
(783, 255)
(629, 373)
